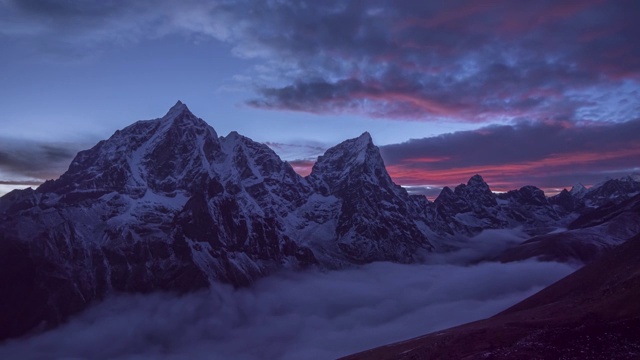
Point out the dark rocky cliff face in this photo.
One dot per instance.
(375, 218)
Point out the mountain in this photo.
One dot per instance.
(163, 204)
(591, 314)
(587, 237)
(473, 207)
(375, 219)
(611, 191)
(573, 226)
(168, 204)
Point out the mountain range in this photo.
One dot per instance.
(167, 204)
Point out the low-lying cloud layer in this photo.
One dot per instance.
(310, 315)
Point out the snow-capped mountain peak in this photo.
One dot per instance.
(477, 182)
(177, 109)
(179, 115)
(476, 192)
(171, 153)
(578, 190)
(364, 139)
(356, 159)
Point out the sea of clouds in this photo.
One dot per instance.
(303, 315)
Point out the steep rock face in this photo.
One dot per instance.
(375, 219)
(236, 226)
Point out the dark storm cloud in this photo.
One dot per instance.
(24, 162)
(310, 315)
(464, 60)
(461, 60)
(546, 154)
(494, 91)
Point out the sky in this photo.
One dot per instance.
(545, 93)
(300, 315)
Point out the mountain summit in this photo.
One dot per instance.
(353, 161)
(165, 155)
(376, 219)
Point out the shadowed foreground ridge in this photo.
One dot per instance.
(593, 313)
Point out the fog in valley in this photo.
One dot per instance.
(300, 315)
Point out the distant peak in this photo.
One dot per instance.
(476, 179)
(634, 177)
(179, 106)
(365, 136)
(577, 187)
(233, 138)
(356, 147)
(364, 139)
(446, 191)
(445, 194)
(177, 109)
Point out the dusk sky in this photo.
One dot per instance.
(539, 92)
